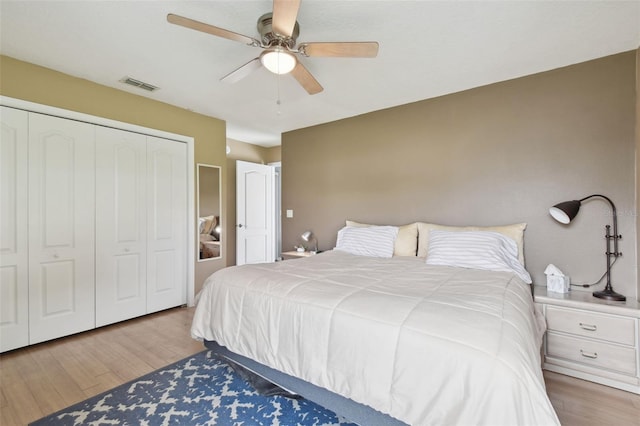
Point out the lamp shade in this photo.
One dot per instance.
(566, 211)
(278, 60)
(307, 236)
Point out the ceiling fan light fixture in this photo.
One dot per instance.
(278, 60)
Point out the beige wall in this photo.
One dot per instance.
(273, 154)
(638, 162)
(497, 154)
(32, 83)
(244, 152)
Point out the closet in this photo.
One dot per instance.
(93, 226)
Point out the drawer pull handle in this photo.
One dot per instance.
(588, 327)
(588, 355)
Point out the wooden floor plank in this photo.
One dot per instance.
(104, 382)
(44, 378)
(583, 403)
(20, 405)
(92, 367)
(49, 384)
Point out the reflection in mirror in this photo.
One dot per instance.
(209, 208)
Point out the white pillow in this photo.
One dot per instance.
(374, 241)
(514, 231)
(406, 241)
(476, 250)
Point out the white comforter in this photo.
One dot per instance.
(429, 345)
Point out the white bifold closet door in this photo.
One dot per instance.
(121, 225)
(61, 227)
(14, 255)
(166, 224)
(140, 225)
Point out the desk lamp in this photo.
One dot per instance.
(308, 237)
(566, 211)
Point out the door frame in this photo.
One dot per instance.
(190, 141)
(277, 207)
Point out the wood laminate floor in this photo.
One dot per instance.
(41, 379)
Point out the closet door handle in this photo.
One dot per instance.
(239, 225)
(588, 327)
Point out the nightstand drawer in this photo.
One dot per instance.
(593, 353)
(593, 325)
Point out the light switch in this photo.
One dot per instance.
(289, 213)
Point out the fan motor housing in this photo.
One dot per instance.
(270, 38)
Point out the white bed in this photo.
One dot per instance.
(428, 345)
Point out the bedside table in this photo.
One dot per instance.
(591, 339)
(296, 254)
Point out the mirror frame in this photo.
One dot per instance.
(198, 215)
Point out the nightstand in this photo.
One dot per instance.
(296, 254)
(591, 339)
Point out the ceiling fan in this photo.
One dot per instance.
(279, 31)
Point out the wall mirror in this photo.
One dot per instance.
(209, 209)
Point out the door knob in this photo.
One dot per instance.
(239, 225)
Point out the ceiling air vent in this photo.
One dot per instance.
(140, 84)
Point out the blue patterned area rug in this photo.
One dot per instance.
(200, 390)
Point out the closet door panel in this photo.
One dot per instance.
(61, 227)
(120, 225)
(167, 223)
(14, 255)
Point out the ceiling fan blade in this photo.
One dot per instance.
(210, 29)
(306, 80)
(284, 17)
(366, 49)
(240, 73)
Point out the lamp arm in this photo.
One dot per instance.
(616, 237)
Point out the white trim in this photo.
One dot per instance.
(92, 119)
(101, 121)
(277, 208)
(191, 222)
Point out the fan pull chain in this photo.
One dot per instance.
(278, 112)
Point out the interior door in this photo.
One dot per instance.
(61, 227)
(255, 217)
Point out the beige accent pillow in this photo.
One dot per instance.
(515, 232)
(406, 242)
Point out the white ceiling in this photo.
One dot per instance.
(427, 49)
